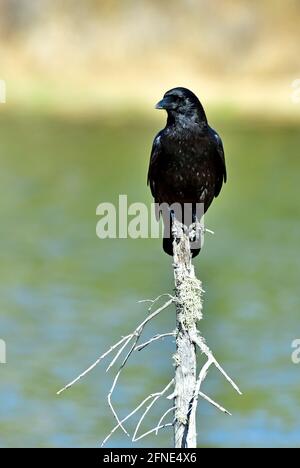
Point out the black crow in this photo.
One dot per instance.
(187, 163)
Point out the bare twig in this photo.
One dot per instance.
(140, 328)
(91, 367)
(156, 397)
(202, 376)
(112, 348)
(162, 418)
(154, 338)
(125, 419)
(109, 396)
(153, 301)
(119, 353)
(198, 340)
(214, 403)
(149, 397)
(153, 430)
(136, 334)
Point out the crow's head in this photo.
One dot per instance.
(181, 103)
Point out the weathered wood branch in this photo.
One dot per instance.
(188, 291)
(186, 385)
(188, 297)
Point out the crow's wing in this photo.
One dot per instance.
(155, 154)
(220, 160)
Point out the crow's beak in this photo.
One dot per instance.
(166, 103)
(161, 104)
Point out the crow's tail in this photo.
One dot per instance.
(168, 237)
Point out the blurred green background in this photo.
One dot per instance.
(82, 79)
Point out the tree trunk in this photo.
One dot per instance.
(188, 311)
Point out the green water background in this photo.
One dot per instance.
(65, 295)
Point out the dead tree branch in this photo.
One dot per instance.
(188, 294)
(186, 386)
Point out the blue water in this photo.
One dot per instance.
(65, 295)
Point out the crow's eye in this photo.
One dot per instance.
(176, 99)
